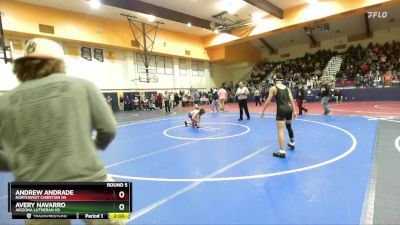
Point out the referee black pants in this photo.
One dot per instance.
(243, 105)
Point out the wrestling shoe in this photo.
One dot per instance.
(291, 147)
(279, 154)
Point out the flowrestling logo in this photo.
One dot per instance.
(379, 15)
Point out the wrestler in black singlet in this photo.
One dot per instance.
(284, 109)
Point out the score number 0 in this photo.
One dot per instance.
(121, 194)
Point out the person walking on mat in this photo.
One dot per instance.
(301, 93)
(325, 93)
(285, 112)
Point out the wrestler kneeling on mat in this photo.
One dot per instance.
(195, 117)
(285, 112)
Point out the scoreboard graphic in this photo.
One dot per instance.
(102, 200)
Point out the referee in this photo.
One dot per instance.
(242, 92)
(285, 112)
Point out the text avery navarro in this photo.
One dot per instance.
(40, 205)
(44, 192)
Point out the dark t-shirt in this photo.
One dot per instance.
(325, 91)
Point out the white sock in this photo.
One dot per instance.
(281, 151)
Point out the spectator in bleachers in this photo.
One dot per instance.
(337, 95)
(325, 96)
(367, 62)
(388, 79)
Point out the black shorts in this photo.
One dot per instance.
(284, 114)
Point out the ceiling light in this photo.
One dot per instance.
(151, 18)
(95, 4)
(188, 24)
(231, 11)
(257, 17)
(312, 2)
(216, 31)
(231, 6)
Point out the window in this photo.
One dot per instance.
(157, 65)
(182, 67)
(169, 66)
(142, 68)
(160, 65)
(197, 68)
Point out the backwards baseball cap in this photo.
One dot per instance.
(42, 48)
(279, 77)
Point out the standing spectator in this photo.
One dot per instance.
(222, 97)
(171, 99)
(159, 100)
(325, 96)
(121, 103)
(167, 106)
(152, 102)
(257, 97)
(56, 145)
(176, 99)
(127, 103)
(242, 92)
(301, 94)
(136, 104)
(215, 103)
(196, 97)
(109, 101)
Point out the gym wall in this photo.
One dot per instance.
(119, 71)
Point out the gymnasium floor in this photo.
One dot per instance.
(224, 173)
